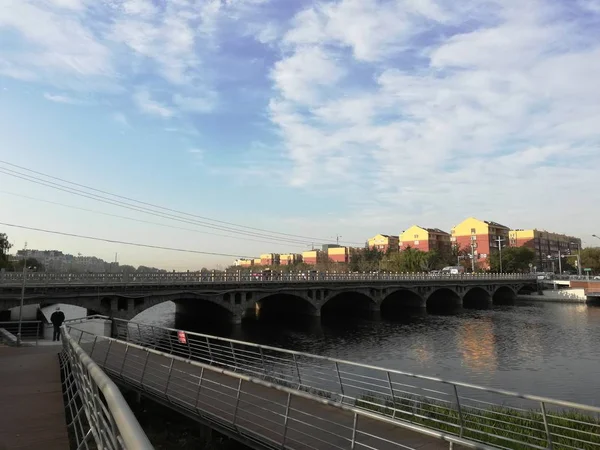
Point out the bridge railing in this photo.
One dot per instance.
(257, 409)
(30, 332)
(97, 414)
(497, 417)
(48, 278)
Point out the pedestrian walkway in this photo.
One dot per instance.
(271, 415)
(32, 415)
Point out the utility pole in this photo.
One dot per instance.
(337, 239)
(22, 294)
(473, 256)
(578, 258)
(559, 263)
(500, 241)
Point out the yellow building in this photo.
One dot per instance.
(269, 259)
(338, 254)
(547, 246)
(257, 262)
(383, 242)
(480, 237)
(244, 262)
(425, 239)
(312, 256)
(289, 259)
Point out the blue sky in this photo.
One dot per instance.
(313, 118)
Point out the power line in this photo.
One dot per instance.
(139, 220)
(144, 210)
(113, 241)
(165, 208)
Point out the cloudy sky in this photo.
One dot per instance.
(310, 118)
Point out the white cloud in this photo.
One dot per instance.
(57, 98)
(146, 104)
(202, 104)
(301, 76)
(466, 124)
(121, 119)
(59, 43)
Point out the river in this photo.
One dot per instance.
(549, 349)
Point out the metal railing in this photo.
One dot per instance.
(30, 332)
(98, 417)
(496, 417)
(256, 410)
(46, 278)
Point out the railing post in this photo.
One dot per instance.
(199, 388)
(235, 364)
(144, 369)
(212, 360)
(297, 370)
(285, 421)
(460, 415)
(139, 334)
(169, 378)
(107, 352)
(354, 424)
(337, 370)
(237, 401)
(392, 393)
(262, 360)
(546, 426)
(124, 359)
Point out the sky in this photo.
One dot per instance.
(315, 119)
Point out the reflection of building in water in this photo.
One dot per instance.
(477, 344)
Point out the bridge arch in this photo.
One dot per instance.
(281, 304)
(477, 297)
(399, 300)
(348, 303)
(504, 295)
(443, 298)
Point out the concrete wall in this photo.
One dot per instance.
(559, 295)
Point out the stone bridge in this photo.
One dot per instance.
(234, 297)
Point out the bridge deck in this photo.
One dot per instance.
(257, 412)
(32, 414)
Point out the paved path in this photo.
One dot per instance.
(32, 414)
(261, 410)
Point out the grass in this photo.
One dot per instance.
(500, 426)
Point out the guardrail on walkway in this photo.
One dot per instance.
(30, 332)
(255, 410)
(47, 278)
(96, 410)
(493, 416)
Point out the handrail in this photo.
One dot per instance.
(285, 389)
(88, 375)
(537, 398)
(236, 277)
(453, 405)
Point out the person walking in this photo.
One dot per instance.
(57, 318)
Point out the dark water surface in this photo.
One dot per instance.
(550, 349)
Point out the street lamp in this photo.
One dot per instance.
(578, 257)
(595, 236)
(22, 295)
(500, 241)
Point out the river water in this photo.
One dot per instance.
(549, 349)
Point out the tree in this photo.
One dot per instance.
(32, 265)
(514, 259)
(4, 248)
(590, 258)
(365, 260)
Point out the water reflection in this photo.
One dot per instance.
(542, 348)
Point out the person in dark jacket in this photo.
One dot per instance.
(57, 318)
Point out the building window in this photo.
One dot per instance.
(472, 230)
(416, 236)
(416, 242)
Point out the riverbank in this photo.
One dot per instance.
(169, 430)
(557, 295)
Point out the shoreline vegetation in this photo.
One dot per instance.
(170, 430)
(496, 426)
